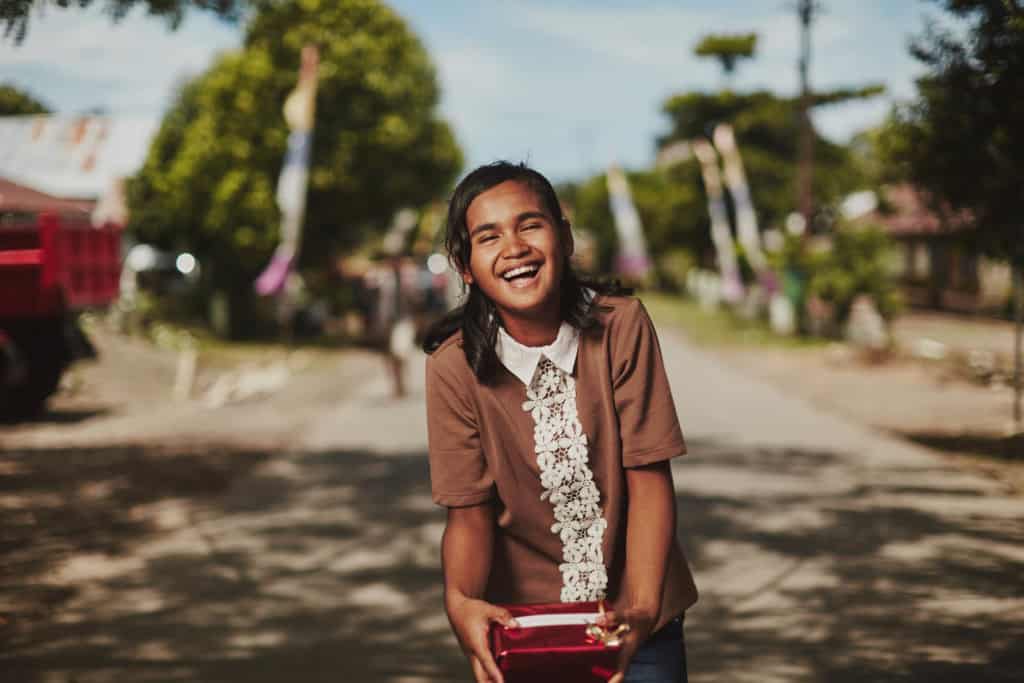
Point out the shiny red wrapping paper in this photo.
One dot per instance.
(562, 653)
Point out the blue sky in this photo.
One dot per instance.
(568, 85)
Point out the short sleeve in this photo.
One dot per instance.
(458, 470)
(648, 424)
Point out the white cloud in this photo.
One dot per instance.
(647, 36)
(79, 58)
(848, 45)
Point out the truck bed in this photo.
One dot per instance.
(52, 265)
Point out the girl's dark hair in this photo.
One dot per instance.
(477, 317)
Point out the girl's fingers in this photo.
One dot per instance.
(630, 644)
(479, 674)
(482, 651)
(502, 616)
(487, 667)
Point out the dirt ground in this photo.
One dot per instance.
(946, 384)
(916, 400)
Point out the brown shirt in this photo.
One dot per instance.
(482, 449)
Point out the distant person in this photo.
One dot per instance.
(551, 426)
(392, 330)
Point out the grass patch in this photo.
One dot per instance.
(718, 328)
(219, 352)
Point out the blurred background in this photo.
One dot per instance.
(221, 228)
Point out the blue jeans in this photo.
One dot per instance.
(662, 659)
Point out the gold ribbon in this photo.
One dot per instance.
(603, 635)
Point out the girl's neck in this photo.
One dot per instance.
(532, 332)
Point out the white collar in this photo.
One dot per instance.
(522, 361)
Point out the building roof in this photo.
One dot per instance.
(905, 210)
(72, 156)
(15, 197)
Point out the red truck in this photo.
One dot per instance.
(52, 267)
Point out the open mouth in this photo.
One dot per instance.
(521, 276)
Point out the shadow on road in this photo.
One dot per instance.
(132, 564)
(878, 581)
(990, 445)
(58, 416)
(136, 565)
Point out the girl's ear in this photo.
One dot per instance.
(467, 277)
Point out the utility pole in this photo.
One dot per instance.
(806, 10)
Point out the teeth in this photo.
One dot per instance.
(519, 271)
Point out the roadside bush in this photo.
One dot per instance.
(859, 262)
(673, 267)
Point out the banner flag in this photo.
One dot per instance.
(721, 234)
(300, 113)
(632, 260)
(672, 154)
(736, 181)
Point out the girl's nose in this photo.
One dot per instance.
(515, 247)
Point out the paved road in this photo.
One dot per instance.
(824, 552)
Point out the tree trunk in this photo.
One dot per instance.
(1018, 318)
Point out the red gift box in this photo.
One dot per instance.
(552, 643)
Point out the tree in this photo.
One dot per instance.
(728, 49)
(209, 179)
(17, 102)
(962, 140)
(15, 14)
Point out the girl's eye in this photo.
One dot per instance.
(531, 226)
(487, 238)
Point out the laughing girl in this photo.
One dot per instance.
(551, 426)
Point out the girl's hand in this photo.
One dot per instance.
(641, 622)
(471, 620)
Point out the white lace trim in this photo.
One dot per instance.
(568, 482)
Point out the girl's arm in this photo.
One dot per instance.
(650, 529)
(466, 558)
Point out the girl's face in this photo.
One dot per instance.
(518, 252)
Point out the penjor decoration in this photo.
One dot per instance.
(633, 261)
(300, 113)
(721, 235)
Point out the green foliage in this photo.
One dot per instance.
(728, 49)
(209, 180)
(673, 267)
(670, 205)
(794, 256)
(840, 95)
(962, 138)
(16, 102)
(859, 262)
(14, 14)
(592, 213)
(767, 132)
(879, 152)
